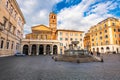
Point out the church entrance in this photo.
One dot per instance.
(41, 50)
(25, 49)
(33, 50)
(48, 49)
(54, 49)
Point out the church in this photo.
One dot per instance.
(46, 40)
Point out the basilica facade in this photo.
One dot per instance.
(43, 39)
(50, 40)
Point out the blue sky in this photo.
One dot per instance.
(71, 14)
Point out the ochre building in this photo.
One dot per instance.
(105, 36)
(49, 39)
(11, 27)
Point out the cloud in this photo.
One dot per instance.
(36, 12)
(74, 17)
(78, 17)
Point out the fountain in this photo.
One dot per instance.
(75, 54)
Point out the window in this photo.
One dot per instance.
(101, 38)
(61, 44)
(11, 9)
(106, 36)
(118, 30)
(7, 3)
(107, 42)
(10, 26)
(96, 34)
(66, 39)
(115, 35)
(100, 32)
(2, 43)
(61, 39)
(41, 36)
(113, 24)
(100, 28)
(7, 44)
(92, 39)
(71, 39)
(14, 29)
(71, 34)
(114, 30)
(101, 43)
(81, 35)
(116, 41)
(105, 25)
(75, 39)
(5, 21)
(92, 44)
(60, 33)
(105, 31)
(45, 36)
(81, 39)
(76, 34)
(97, 44)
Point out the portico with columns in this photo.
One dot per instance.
(40, 47)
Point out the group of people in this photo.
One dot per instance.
(98, 53)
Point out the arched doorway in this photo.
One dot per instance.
(41, 49)
(93, 49)
(102, 50)
(33, 50)
(48, 49)
(55, 49)
(107, 49)
(25, 49)
(97, 49)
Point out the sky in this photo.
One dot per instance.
(71, 14)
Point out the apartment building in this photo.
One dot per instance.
(11, 27)
(67, 36)
(105, 36)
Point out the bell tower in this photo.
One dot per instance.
(53, 21)
(53, 24)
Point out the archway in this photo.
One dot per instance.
(25, 49)
(97, 49)
(102, 50)
(107, 49)
(33, 50)
(48, 49)
(41, 49)
(55, 49)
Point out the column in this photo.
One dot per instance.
(58, 49)
(29, 50)
(44, 49)
(37, 50)
(51, 49)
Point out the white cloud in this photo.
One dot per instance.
(73, 17)
(36, 12)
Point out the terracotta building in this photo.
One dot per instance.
(11, 27)
(105, 36)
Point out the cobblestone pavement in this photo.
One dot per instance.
(45, 68)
